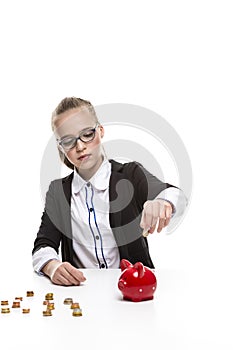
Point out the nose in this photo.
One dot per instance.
(80, 145)
(121, 284)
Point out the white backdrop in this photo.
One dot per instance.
(173, 57)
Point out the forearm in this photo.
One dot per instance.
(42, 257)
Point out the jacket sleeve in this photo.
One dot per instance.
(146, 185)
(48, 235)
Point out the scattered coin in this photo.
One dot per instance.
(16, 304)
(5, 310)
(25, 311)
(47, 313)
(77, 312)
(68, 301)
(74, 306)
(49, 296)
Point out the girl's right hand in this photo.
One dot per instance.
(63, 273)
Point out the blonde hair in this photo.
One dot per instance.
(65, 105)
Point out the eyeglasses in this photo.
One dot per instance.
(69, 142)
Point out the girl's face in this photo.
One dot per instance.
(86, 157)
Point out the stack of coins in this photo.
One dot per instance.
(49, 296)
(68, 301)
(5, 310)
(75, 307)
(49, 306)
(16, 304)
(30, 293)
(47, 313)
(77, 312)
(25, 311)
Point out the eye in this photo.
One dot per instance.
(68, 141)
(88, 133)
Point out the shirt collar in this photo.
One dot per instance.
(100, 180)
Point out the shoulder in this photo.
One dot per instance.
(125, 168)
(61, 182)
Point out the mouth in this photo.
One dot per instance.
(84, 157)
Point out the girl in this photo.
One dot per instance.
(98, 212)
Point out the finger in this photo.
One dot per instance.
(151, 216)
(168, 215)
(162, 219)
(66, 273)
(63, 275)
(161, 224)
(61, 280)
(153, 227)
(75, 273)
(143, 221)
(154, 222)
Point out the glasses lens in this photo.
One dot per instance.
(88, 135)
(68, 142)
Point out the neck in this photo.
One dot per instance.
(87, 174)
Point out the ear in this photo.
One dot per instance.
(124, 264)
(139, 266)
(101, 131)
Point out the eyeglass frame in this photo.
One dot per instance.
(59, 141)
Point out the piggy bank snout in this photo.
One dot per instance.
(121, 285)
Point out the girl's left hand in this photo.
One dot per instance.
(157, 211)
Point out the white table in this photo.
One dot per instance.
(108, 322)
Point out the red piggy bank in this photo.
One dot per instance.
(137, 282)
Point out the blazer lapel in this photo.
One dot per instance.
(66, 182)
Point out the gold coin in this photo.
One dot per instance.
(50, 306)
(25, 311)
(5, 310)
(16, 304)
(49, 296)
(19, 298)
(47, 313)
(77, 312)
(68, 301)
(74, 306)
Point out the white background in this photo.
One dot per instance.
(173, 57)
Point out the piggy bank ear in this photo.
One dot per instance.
(125, 264)
(140, 267)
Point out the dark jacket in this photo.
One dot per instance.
(129, 188)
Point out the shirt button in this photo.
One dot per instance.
(88, 184)
(91, 209)
(102, 266)
(96, 237)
